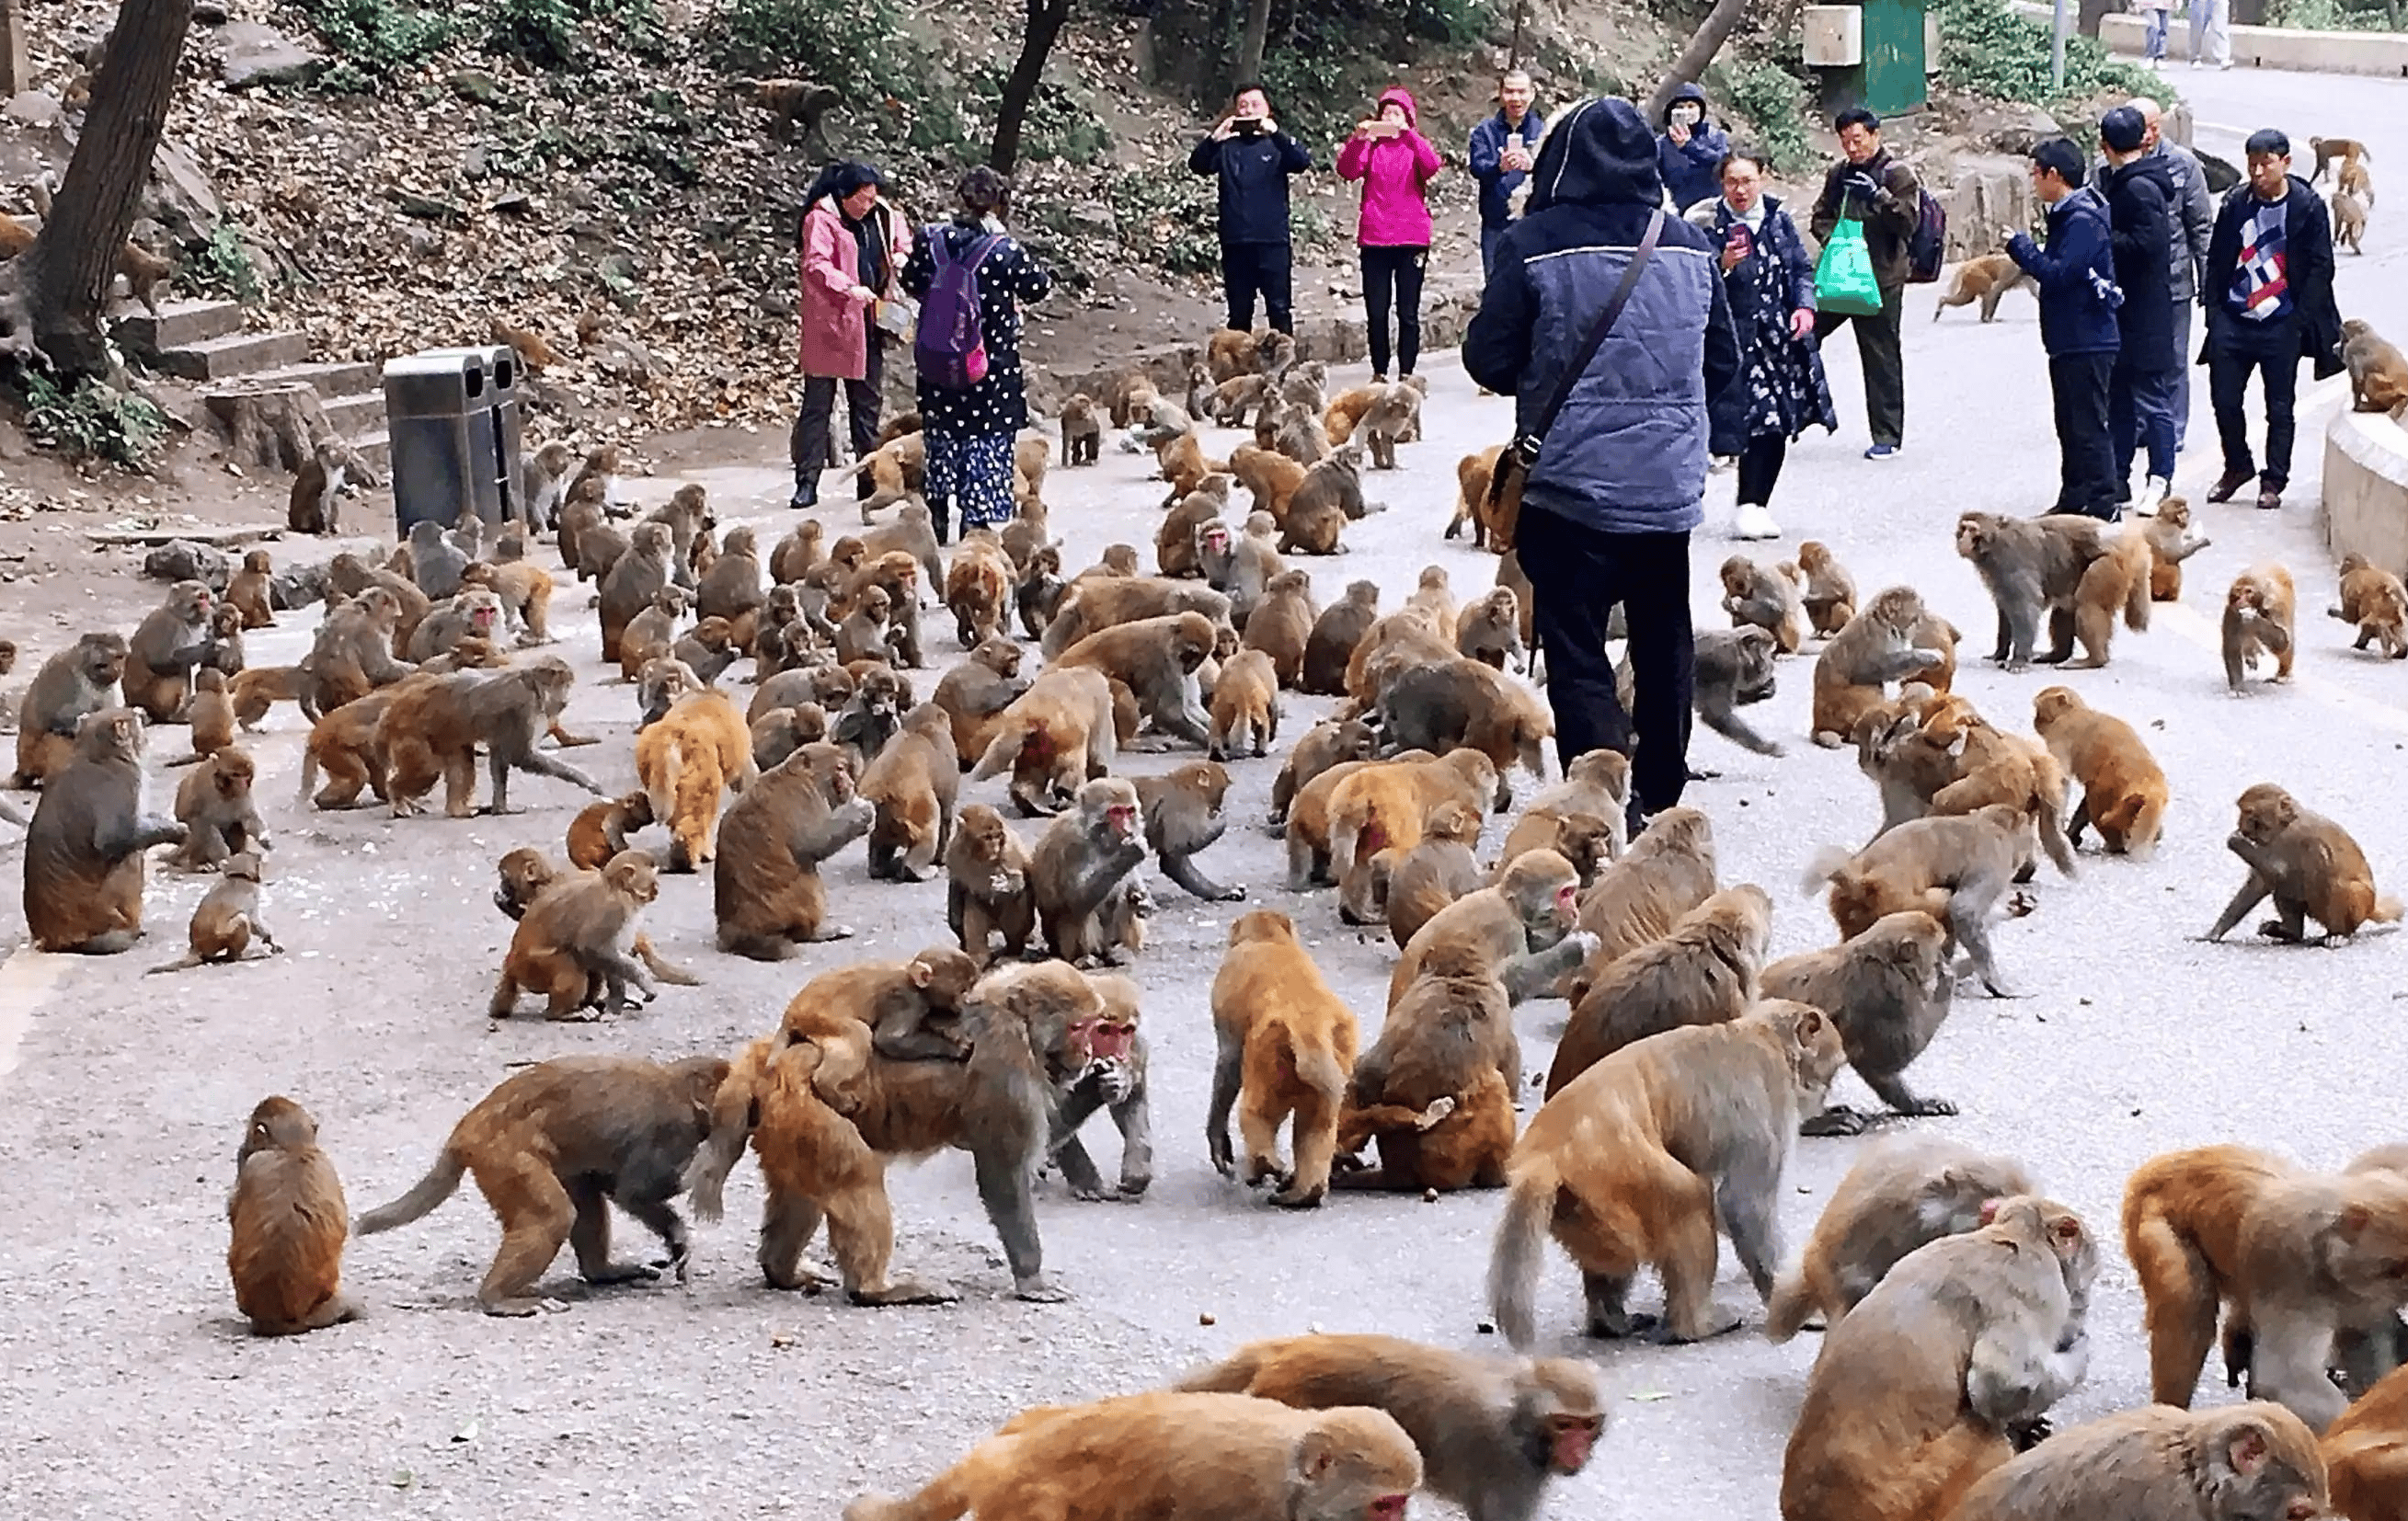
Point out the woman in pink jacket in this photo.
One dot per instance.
(852, 245)
(1396, 163)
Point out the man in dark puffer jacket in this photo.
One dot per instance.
(1607, 511)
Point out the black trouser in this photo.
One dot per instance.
(1267, 268)
(2233, 352)
(1759, 468)
(2077, 385)
(1394, 273)
(1577, 574)
(809, 443)
(1884, 365)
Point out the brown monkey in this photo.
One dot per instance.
(259, 688)
(1245, 707)
(706, 649)
(797, 552)
(2119, 579)
(1114, 1079)
(1336, 633)
(1639, 1159)
(2378, 372)
(1490, 630)
(2348, 150)
(248, 591)
(77, 681)
(987, 889)
(2374, 599)
(348, 573)
(1380, 808)
(84, 849)
(1099, 603)
(577, 942)
(226, 918)
(1435, 871)
(1597, 784)
(315, 504)
(524, 592)
(866, 632)
(1285, 1041)
(978, 589)
(1179, 543)
(1524, 925)
(526, 872)
(1666, 872)
(1328, 498)
(633, 581)
(912, 786)
(1331, 742)
(1079, 875)
(348, 745)
(600, 831)
(1888, 989)
(2031, 566)
(433, 731)
(1280, 625)
(2363, 1455)
(1929, 1382)
(2124, 790)
(687, 760)
(1082, 431)
(765, 888)
(213, 803)
(2183, 1217)
(1831, 592)
(1874, 647)
(551, 1145)
(1763, 597)
(288, 1221)
(1437, 1090)
(2173, 539)
(2254, 1463)
(975, 693)
(1985, 277)
(1493, 1431)
(211, 716)
(779, 732)
(2308, 864)
(1901, 1193)
(166, 647)
(1039, 591)
(1183, 818)
(543, 477)
(352, 654)
(1473, 473)
(1209, 1457)
(1954, 868)
(1450, 703)
(1704, 972)
(1052, 738)
(475, 614)
(1156, 659)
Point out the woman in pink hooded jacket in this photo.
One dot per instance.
(852, 245)
(1396, 163)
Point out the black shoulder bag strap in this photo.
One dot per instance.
(1526, 445)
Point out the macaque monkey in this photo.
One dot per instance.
(2124, 790)
(792, 103)
(2255, 1462)
(2348, 150)
(525, 593)
(1944, 1369)
(2373, 598)
(314, 506)
(1902, 1193)
(2349, 213)
(1704, 972)
(1436, 1092)
(1082, 431)
(248, 591)
(1830, 593)
(2364, 1456)
(576, 944)
(1641, 1159)
(1286, 1045)
(171, 640)
(544, 480)
(1970, 858)
(1985, 277)
(81, 680)
(2173, 539)
(211, 716)
(1490, 631)
(227, 918)
(1494, 1430)
(84, 849)
(289, 1223)
(214, 805)
(1183, 818)
(2378, 373)
(1873, 649)
(1763, 597)
(1245, 709)
(1437, 871)
(2308, 865)
(987, 888)
(600, 831)
(1079, 874)
(1114, 1079)
(2032, 565)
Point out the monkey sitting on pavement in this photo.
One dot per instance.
(79, 679)
(2259, 616)
(288, 1221)
(1875, 648)
(1493, 1431)
(552, 1147)
(2308, 864)
(1079, 874)
(227, 918)
(86, 844)
(1437, 1090)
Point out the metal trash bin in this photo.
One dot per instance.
(453, 417)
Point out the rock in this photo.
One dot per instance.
(423, 241)
(2011, 127)
(182, 196)
(475, 161)
(208, 12)
(299, 587)
(1094, 218)
(425, 207)
(622, 358)
(1991, 199)
(475, 84)
(257, 55)
(33, 109)
(180, 559)
(515, 204)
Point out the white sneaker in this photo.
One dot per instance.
(2158, 489)
(1755, 521)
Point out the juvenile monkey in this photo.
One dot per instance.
(1903, 1193)
(214, 805)
(1281, 624)
(1524, 925)
(1245, 707)
(1639, 1160)
(2308, 864)
(227, 918)
(1830, 593)
(600, 831)
(1953, 867)
(2124, 790)
(211, 716)
(314, 506)
(2255, 1462)
(1438, 870)
(987, 889)
(551, 1145)
(911, 785)
(1082, 431)
(575, 943)
(288, 1221)
(1931, 1381)
(1762, 597)
(2173, 539)
(1493, 1431)
(248, 591)
(1331, 742)
(2373, 598)
(1286, 1043)
(1490, 630)
(2348, 150)
(525, 593)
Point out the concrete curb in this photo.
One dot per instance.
(2365, 489)
(2382, 54)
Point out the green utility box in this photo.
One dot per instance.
(1874, 53)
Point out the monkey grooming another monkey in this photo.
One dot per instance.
(2032, 565)
(1493, 1431)
(1954, 868)
(2308, 865)
(1641, 1157)
(1931, 1381)
(288, 1221)
(1873, 649)
(1197, 1456)
(1437, 1091)
(552, 1147)
(1286, 1044)
(2255, 1462)
(85, 845)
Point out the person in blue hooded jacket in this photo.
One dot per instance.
(1689, 150)
(2078, 297)
(1621, 477)
(1503, 147)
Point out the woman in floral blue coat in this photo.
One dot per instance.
(1781, 390)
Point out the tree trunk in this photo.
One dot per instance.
(1704, 43)
(1250, 41)
(1045, 22)
(15, 72)
(74, 261)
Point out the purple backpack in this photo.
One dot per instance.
(951, 347)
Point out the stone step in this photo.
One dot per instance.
(357, 413)
(179, 325)
(329, 377)
(235, 354)
(377, 449)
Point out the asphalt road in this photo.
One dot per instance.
(132, 1385)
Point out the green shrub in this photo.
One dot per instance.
(1987, 49)
(550, 34)
(1167, 220)
(859, 46)
(2341, 15)
(220, 267)
(91, 420)
(375, 37)
(1772, 101)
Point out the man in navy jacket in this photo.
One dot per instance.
(1252, 159)
(2078, 296)
(1608, 507)
(1502, 148)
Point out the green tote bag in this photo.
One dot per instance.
(1844, 278)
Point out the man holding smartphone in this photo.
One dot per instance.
(1253, 160)
(1503, 147)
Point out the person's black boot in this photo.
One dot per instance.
(807, 494)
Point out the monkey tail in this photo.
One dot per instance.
(1822, 866)
(662, 786)
(2135, 590)
(308, 774)
(1521, 1238)
(2386, 910)
(1231, 1376)
(1786, 1314)
(733, 1113)
(433, 1190)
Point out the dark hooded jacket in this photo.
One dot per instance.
(2074, 319)
(1497, 183)
(1627, 453)
(1688, 169)
(2140, 197)
(1254, 174)
(2308, 266)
